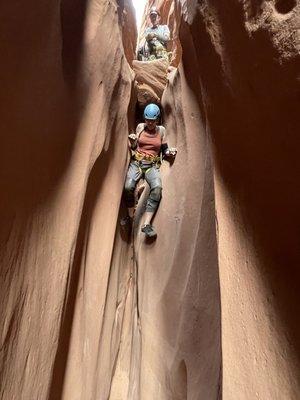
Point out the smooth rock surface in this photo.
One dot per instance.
(246, 56)
(151, 80)
(85, 313)
(170, 347)
(66, 87)
(129, 29)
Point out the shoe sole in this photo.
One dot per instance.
(149, 235)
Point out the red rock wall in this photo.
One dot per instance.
(246, 56)
(88, 315)
(64, 99)
(129, 29)
(150, 80)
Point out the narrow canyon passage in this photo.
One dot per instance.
(209, 310)
(160, 295)
(174, 287)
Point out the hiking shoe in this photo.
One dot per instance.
(149, 231)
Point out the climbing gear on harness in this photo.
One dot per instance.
(146, 157)
(154, 50)
(157, 50)
(149, 231)
(145, 162)
(152, 111)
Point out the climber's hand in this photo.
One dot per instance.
(150, 36)
(132, 137)
(132, 140)
(171, 152)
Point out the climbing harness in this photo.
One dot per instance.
(154, 50)
(137, 156)
(157, 50)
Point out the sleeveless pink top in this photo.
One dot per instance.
(149, 143)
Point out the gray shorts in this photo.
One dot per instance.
(150, 173)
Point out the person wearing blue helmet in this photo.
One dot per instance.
(149, 147)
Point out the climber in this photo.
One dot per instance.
(149, 147)
(156, 39)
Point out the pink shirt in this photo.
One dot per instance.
(149, 143)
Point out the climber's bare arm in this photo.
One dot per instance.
(167, 152)
(150, 36)
(132, 138)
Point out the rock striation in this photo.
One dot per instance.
(129, 31)
(246, 57)
(151, 80)
(64, 104)
(209, 310)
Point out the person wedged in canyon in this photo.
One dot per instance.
(149, 147)
(156, 39)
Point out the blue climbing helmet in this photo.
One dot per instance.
(152, 111)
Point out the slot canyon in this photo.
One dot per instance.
(208, 311)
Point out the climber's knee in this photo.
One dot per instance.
(155, 194)
(129, 192)
(129, 185)
(154, 199)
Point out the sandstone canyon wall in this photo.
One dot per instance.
(83, 314)
(246, 55)
(88, 314)
(66, 88)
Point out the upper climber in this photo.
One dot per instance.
(156, 39)
(149, 147)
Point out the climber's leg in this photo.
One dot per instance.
(153, 178)
(134, 174)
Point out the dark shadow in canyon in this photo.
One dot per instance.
(94, 187)
(254, 122)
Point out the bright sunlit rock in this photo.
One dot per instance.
(139, 6)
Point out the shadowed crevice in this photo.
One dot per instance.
(93, 189)
(285, 6)
(73, 13)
